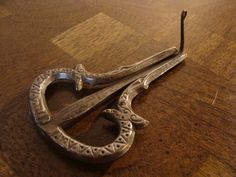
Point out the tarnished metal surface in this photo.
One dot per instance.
(134, 77)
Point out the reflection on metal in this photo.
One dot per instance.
(134, 78)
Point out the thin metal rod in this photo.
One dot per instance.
(183, 16)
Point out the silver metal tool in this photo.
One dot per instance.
(134, 78)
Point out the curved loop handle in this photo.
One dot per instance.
(58, 136)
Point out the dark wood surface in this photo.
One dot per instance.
(191, 109)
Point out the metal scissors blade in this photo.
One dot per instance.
(133, 79)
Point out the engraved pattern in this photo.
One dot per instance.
(37, 101)
(93, 153)
(125, 100)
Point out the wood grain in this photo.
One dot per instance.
(213, 167)
(96, 33)
(191, 110)
(4, 12)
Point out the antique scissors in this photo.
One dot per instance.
(132, 78)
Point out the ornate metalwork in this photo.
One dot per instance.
(134, 77)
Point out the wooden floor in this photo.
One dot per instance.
(192, 109)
